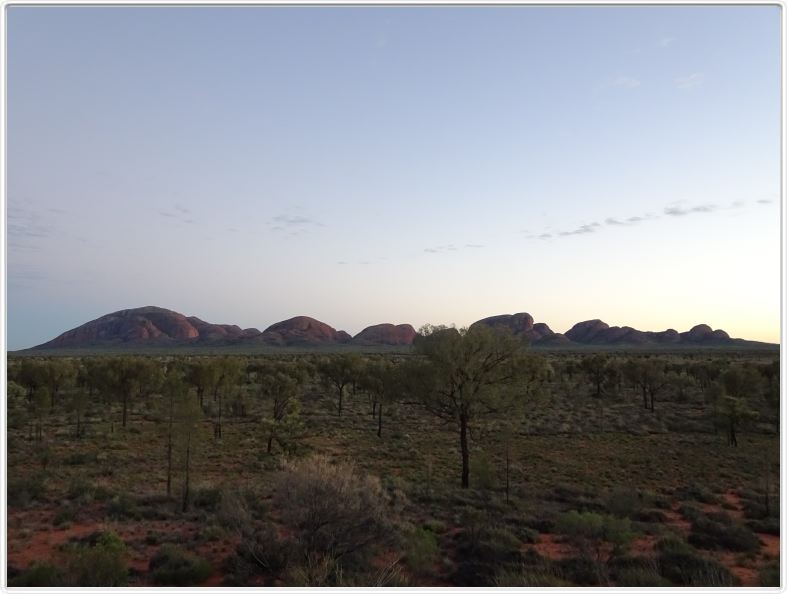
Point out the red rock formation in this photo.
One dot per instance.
(385, 334)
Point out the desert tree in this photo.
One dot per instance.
(186, 416)
(385, 384)
(280, 385)
(649, 376)
(229, 375)
(462, 376)
(203, 374)
(31, 374)
(732, 412)
(339, 371)
(596, 369)
(175, 392)
(58, 374)
(123, 379)
(78, 403)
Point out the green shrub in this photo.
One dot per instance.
(767, 526)
(122, 507)
(172, 566)
(38, 575)
(207, 498)
(769, 575)
(23, 491)
(64, 515)
(98, 561)
(719, 531)
(582, 571)
(624, 502)
(420, 549)
(80, 488)
(637, 572)
(689, 569)
(482, 469)
(696, 493)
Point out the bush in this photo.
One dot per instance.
(206, 498)
(483, 552)
(582, 571)
(636, 572)
(172, 566)
(420, 549)
(719, 531)
(65, 515)
(22, 492)
(624, 503)
(333, 508)
(98, 561)
(39, 575)
(689, 569)
(769, 575)
(696, 492)
(767, 525)
(80, 488)
(122, 507)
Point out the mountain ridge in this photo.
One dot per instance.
(157, 326)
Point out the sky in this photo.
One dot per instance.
(394, 164)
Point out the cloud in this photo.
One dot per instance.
(626, 82)
(26, 223)
(169, 215)
(450, 247)
(581, 230)
(764, 201)
(613, 221)
(677, 211)
(294, 224)
(665, 41)
(545, 236)
(697, 79)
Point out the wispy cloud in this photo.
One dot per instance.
(26, 224)
(692, 81)
(177, 212)
(582, 229)
(626, 82)
(665, 41)
(678, 211)
(764, 201)
(450, 247)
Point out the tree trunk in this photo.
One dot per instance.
(644, 397)
(186, 484)
(733, 438)
(652, 401)
(125, 409)
(465, 451)
(508, 470)
(380, 420)
(341, 396)
(169, 449)
(270, 443)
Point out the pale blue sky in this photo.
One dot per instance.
(367, 165)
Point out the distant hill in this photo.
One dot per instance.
(158, 327)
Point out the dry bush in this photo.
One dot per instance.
(333, 509)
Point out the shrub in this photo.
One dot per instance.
(637, 572)
(333, 508)
(527, 576)
(122, 507)
(80, 488)
(696, 492)
(624, 502)
(767, 525)
(420, 549)
(689, 569)
(206, 498)
(483, 471)
(38, 575)
(582, 571)
(769, 575)
(172, 566)
(21, 492)
(98, 561)
(64, 515)
(483, 552)
(719, 531)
